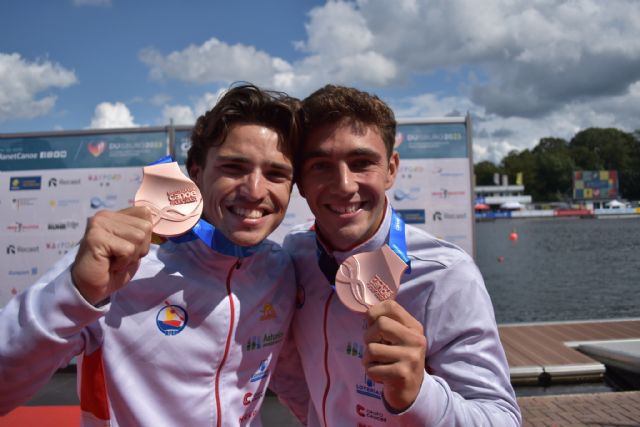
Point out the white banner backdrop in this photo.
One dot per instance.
(43, 210)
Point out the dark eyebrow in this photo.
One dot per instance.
(284, 167)
(357, 152)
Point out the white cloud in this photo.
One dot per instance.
(215, 61)
(187, 115)
(179, 115)
(524, 69)
(22, 84)
(112, 115)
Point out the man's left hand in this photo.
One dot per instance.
(395, 351)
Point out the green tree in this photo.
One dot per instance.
(484, 172)
(610, 149)
(553, 170)
(520, 162)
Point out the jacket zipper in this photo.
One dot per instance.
(326, 360)
(235, 266)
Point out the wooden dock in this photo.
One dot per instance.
(545, 353)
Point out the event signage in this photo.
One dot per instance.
(50, 183)
(79, 151)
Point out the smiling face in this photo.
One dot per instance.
(344, 175)
(245, 184)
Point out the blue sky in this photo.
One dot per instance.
(523, 69)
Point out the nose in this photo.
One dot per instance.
(255, 186)
(344, 179)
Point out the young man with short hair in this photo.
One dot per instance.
(430, 357)
(186, 333)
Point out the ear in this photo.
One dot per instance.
(394, 163)
(300, 190)
(194, 173)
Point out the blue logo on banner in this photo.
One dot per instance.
(25, 183)
(412, 216)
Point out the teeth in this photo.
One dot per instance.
(346, 209)
(247, 213)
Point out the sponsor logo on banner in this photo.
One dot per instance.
(18, 183)
(185, 144)
(63, 203)
(106, 202)
(61, 247)
(33, 271)
(18, 156)
(21, 202)
(19, 227)
(370, 413)
(53, 154)
(63, 225)
(105, 179)
(134, 148)
(61, 182)
(412, 216)
(445, 193)
(439, 216)
(408, 171)
(400, 194)
(440, 171)
(18, 249)
(96, 148)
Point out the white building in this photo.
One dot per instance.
(502, 196)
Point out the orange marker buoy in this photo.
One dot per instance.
(513, 236)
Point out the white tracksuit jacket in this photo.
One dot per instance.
(466, 382)
(192, 340)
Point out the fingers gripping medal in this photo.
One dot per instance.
(175, 201)
(368, 278)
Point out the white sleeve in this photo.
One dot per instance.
(288, 381)
(467, 381)
(41, 330)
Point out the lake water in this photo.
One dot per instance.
(561, 269)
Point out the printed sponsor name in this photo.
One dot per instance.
(370, 413)
(17, 249)
(19, 227)
(25, 183)
(54, 182)
(51, 154)
(26, 272)
(59, 226)
(271, 339)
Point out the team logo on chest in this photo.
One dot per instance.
(268, 312)
(171, 319)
